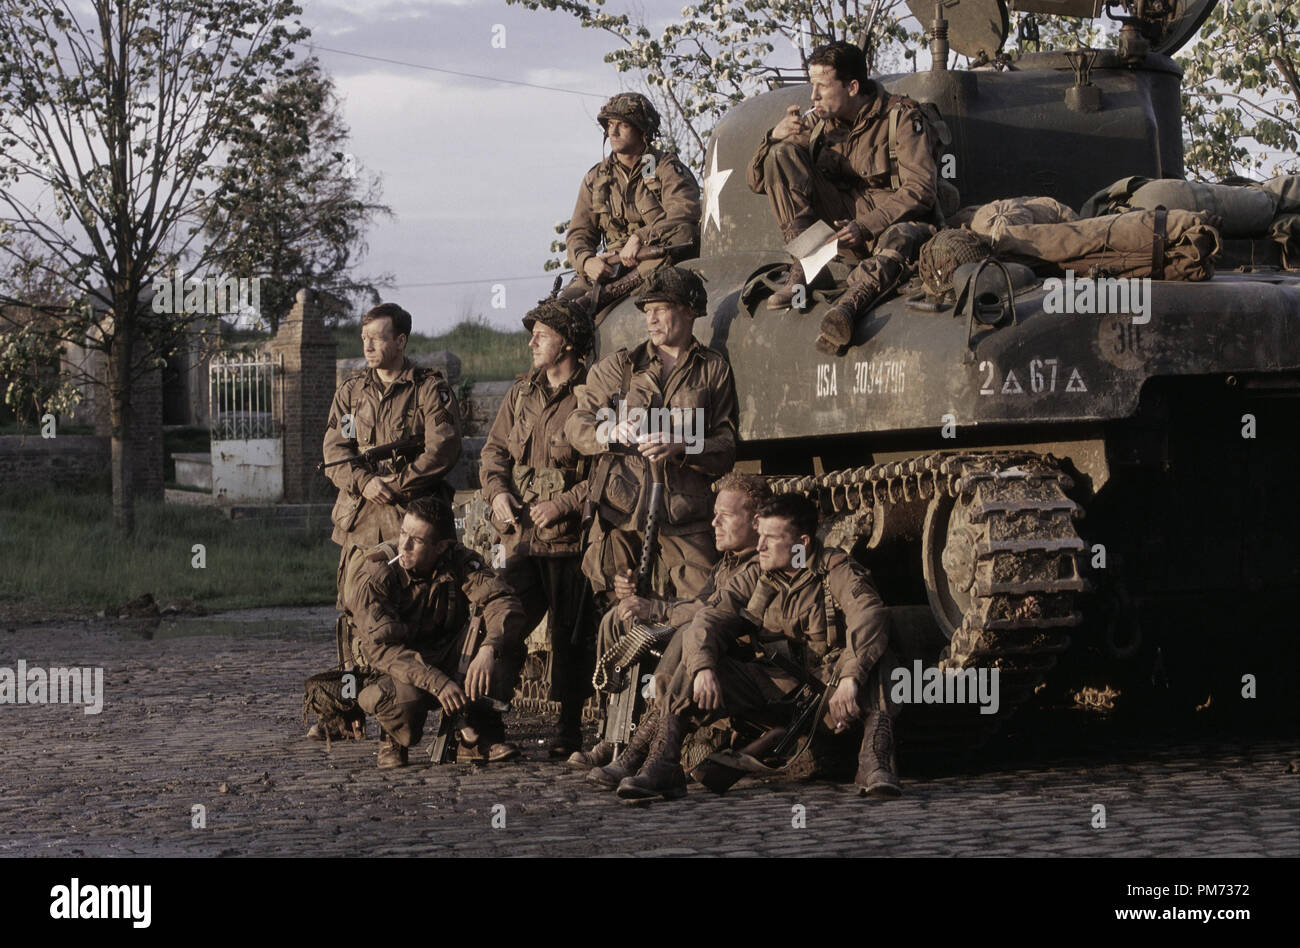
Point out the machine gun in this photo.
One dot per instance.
(627, 660)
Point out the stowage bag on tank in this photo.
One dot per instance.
(1120, 245)
(1244, 212)
(994, 218)
(1285, 189)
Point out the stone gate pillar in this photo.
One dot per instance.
(307, 352)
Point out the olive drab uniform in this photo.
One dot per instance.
(527, 455)
(880, 171)
(366, 413)
(658, 200)
(411, 630)
(826, 617)
(701, 385)
(677, 613)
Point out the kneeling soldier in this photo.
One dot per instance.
(413, 606)
(815, 606)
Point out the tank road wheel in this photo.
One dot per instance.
(947, 584)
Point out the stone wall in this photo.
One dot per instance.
(66, 461)
(307, 383)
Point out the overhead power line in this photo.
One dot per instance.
(467, 75)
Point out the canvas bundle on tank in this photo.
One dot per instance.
(1243, 212)
(992, 220)
(1163, 245)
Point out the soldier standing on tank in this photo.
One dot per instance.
(535, 483)
(635, 202)
(824, 615)
(391, 400)
(414, 603)
(837, 167)
(670, 371)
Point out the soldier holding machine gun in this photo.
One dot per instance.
(627, 629)
(814, 625)
(671, 377)
(392, 401)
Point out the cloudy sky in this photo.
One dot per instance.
(477, 172)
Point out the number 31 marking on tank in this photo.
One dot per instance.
(1040, 376)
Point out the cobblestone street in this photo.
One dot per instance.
(188, 715)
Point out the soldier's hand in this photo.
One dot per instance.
(790, 126)
(851, 234)
(844, 704)
(634, 607)
(626, 432)
(544, 514)
(708, 692)
(628, 255)
(660, 447)
(478, 677)
(596, 269)
(625, 584)
(504, 507)
(451, 697)
(377, 490)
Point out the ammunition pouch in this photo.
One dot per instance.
(536, 484)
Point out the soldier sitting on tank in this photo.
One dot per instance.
(836, 166)
(824, 615)
(736, 502)
(414, 604)
(669, 404)
(638, 202)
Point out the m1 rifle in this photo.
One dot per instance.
(408, 448)
(622, 704)
(624, 281)
(775, 751)
(457, 722)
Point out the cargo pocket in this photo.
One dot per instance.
(346, 510)
(622, 490)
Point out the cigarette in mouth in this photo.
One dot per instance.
(395, 559)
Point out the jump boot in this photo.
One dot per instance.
(877, 767)
(568, 739)
(878, 276)
(629, 762)
(598, 756)
(391, 753)
(661, 777)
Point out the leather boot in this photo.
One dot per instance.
(568, 738)
(783, 297)
(629, 762)
(391, 753)
(661, 776)
(877, 767)
(837, 325)
(598, 756)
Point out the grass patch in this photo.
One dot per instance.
(58, 551)
(486, 354)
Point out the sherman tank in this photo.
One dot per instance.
(1095, 505)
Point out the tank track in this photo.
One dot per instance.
(1009, 553)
